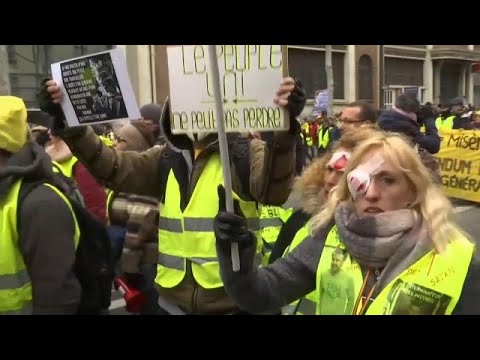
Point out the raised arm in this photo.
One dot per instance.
(127, 171)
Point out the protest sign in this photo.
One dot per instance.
(321, 102)
(249, 78)
(459, 158)
(96, 88)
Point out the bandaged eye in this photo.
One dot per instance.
(359, 179)
(358, 182)
(338, 161)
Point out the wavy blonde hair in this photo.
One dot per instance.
(311, 182)
(429, 203)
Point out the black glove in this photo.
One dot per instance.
(425, 112)
(230, 227)
(46, 104)
(296, 103)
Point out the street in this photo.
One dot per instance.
(468, 215)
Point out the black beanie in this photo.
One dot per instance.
(151, 112)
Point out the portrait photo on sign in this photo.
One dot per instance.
(96, 88)
(413, 299)
(337, 285)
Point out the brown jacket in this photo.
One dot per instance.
(272, 168)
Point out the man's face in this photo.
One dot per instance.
(414, 310)
(337, 262)
(350, 118)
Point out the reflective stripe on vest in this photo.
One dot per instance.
(65, 167)
(189, 234)
(431, 286)
(307, 304)
(446, 123)
(15, 285)
(110, 198)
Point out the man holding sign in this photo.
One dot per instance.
(184, 174)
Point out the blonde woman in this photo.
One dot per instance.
(314, 187)
(386, 235)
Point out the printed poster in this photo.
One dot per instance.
(96, 88)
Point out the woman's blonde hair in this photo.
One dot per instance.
(311, 182)
(430, 203)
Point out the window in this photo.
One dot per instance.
(400, 71)
(12, 56)
(29, 64)
(309, 66)
(365, 78)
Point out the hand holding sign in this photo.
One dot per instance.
(231, 227)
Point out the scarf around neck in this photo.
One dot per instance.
(391, 241)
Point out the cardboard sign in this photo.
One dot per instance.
(250, 75)
(96, 88)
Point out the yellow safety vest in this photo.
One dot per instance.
(444, 123)
(308, 140)
(272, 219)
(189, 235)
(106, 140)
(431, 286)
(306, 305)
(15, 284)
(65, 167)
(323, 137)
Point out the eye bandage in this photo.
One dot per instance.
(339, 160)
(359, 179)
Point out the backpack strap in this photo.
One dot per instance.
(25, 189)
(28, 186)
(172, 160)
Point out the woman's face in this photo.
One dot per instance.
(388, 188)
(334, 170)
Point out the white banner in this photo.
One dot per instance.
(250, 75)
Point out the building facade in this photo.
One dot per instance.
(374, 73)
(24, 66)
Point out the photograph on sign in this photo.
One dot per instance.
(249, 77)
(96, 88)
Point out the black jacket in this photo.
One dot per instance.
(393, 121)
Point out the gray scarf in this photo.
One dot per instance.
(391, 241)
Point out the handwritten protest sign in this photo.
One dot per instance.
(459, 159)
(249, 77)
(97, 88)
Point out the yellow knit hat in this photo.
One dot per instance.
(13, 123)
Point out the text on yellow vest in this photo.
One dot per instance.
(431, 286)
(272, 219)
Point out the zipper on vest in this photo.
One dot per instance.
(194, 297)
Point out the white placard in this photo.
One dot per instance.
(96, 88)
(250, 75)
